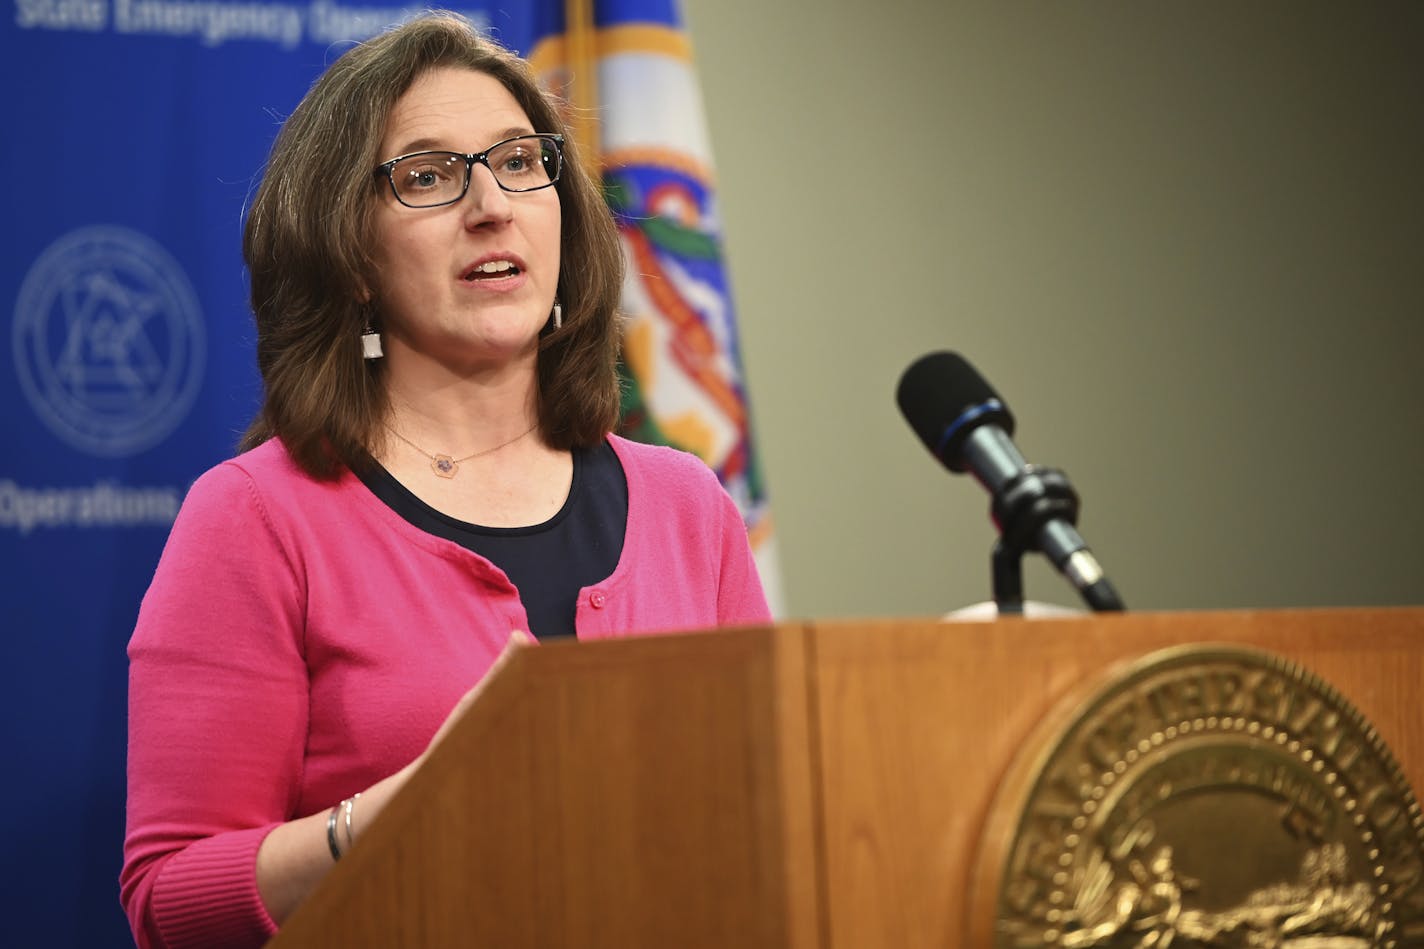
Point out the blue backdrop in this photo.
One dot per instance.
(137, 130)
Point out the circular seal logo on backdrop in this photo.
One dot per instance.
(1207, 796)
(108, 340)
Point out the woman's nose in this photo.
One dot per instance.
(485, 201)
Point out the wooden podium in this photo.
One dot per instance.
(811, 785)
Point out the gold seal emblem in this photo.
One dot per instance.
(1206, 796)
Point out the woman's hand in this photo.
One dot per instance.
(517, 640)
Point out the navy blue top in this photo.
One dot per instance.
(548, 563)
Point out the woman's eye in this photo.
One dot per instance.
(427, 174)
(516, 163)
(426, 177)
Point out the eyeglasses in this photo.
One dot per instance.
(430, 179)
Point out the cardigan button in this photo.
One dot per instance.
(596, 600)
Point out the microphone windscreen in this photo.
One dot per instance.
(944, 399)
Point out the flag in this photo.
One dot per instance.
(625, 68)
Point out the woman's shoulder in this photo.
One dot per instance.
(266, 474)
(263, 496)
(661, 463)
(677, 481)
(267, 463)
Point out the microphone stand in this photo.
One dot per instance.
(1037, 510)
(1006, 564)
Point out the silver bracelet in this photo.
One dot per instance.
(349, 805)
(331, 832)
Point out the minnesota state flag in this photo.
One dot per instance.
(625, 68)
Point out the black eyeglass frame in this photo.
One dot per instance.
(387, 169)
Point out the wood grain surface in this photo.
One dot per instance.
(814, 785)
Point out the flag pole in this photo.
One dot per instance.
(582, 38)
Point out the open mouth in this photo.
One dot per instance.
(491, 270)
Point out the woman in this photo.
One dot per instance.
(431, 477)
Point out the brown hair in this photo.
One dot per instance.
(307, 246)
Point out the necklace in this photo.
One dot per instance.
(447, 467)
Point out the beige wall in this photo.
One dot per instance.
(1184, 240)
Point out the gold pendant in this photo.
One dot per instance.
(444, 466)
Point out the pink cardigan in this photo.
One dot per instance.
(301, 641)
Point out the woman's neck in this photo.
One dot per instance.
(456, 414)
(469, 446)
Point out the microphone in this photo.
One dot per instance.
(964, 423)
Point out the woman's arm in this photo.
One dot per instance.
(218, 719)
(296, 855)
